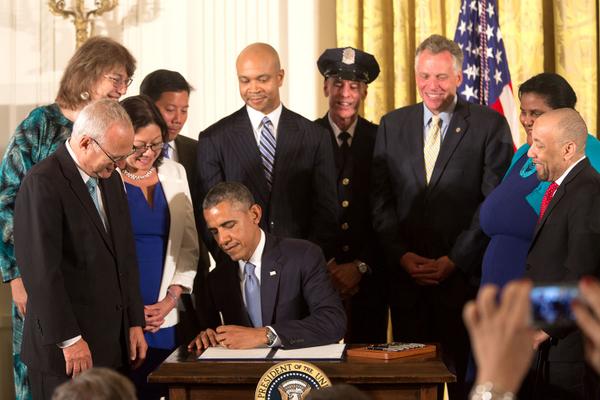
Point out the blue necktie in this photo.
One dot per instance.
(252, 292)
(165, 150)
(267, 149)
(91, 186)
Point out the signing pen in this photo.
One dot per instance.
(221, 316)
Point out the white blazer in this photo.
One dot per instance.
(181, 260)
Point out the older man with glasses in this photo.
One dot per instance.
(74, 244)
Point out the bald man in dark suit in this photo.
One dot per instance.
(283, 158)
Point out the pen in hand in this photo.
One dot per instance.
(222, 323)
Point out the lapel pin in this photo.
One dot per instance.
(272, 273)
(457, 130)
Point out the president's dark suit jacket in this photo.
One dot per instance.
(565, 246)
(297, 298)
(302, 201)
(436, 219)
(80, 279)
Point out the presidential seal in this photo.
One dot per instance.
(290, 380)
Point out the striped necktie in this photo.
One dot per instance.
(165, 150)
(267, 149)
(432, 146)
(91, 187)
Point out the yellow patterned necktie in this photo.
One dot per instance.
(432, 146)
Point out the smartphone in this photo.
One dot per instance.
(551, 305)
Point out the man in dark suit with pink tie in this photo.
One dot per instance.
(564, 246)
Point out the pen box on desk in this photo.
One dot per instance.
(385, 354)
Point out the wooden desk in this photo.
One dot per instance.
(402, 379)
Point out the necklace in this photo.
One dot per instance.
(527, 169)
(138, 177)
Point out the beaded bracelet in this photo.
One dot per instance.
(172, 296)
(485, 391)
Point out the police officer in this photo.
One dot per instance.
(356, 268)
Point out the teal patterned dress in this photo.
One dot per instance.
(35, 139)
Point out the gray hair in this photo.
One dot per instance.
(96, 384)
(438, 44)
(95, 119)
(234, 192)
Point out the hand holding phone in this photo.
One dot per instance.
(551, 305)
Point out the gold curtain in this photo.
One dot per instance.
(555, 36)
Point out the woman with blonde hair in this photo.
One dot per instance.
(100, 68)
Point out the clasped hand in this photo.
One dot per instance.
(427, 271)
(155, 313)
(231, 337)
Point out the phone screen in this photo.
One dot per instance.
(551, 305)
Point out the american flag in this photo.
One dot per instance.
(486, 79)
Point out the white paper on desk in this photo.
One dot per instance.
(327, 352)
(222, 353)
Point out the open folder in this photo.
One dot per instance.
(327, 352)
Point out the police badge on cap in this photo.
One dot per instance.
(348, 63)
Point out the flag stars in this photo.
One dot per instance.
(498, 77)
(470, 71)
(489, 32)
(490, 10)
(498, 56)
(469, 92)
(462, 27)
(473, 5)
(498, 34)
(489, 52)
(470, 27)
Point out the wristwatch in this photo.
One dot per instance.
(271, 336)
(363, 267)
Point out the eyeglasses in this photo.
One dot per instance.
(115, 160)
(155, 147)
(118, 81)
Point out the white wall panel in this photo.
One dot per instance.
(199, 38)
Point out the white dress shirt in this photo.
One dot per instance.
(560, 180)
(86, 178)
(336, 130)
(256, 118)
